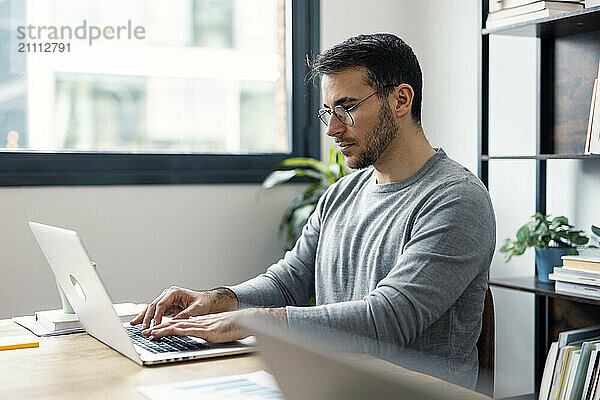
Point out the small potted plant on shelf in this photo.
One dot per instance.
(320, 175)
(551, 239)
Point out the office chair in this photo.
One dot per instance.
(485, 348)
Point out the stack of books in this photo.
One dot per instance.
(578, 275)
(572, 371)
(57, 322)
(515, 11)
(592, 140)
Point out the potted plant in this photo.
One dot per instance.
(552, 239)
(320, 176)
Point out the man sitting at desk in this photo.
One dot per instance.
(398, 252)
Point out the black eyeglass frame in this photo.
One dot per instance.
(346, 111)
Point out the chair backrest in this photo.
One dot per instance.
(485, 348)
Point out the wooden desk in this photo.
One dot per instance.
(78, 366)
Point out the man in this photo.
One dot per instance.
(398, 252)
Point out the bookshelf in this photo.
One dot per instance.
(532, 285)
(543, 157)
(568, 52)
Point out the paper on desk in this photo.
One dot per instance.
(256, 385)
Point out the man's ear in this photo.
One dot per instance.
(401, 99)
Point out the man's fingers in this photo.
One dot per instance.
(159, 326)
(148, 315)
(161, 306)
(146, 332)
(216, 328)
(150, 310)
(172, 310)
(138, 318)
(188, 312)
(196, 332)
(179, 328)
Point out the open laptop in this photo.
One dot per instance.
(73, 269)
(306, 369)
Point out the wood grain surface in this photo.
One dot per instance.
(78, 366)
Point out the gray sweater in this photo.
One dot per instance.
(404, 263)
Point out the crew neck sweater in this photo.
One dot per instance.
(403, 264)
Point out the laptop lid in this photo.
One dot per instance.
(82, 286)
(306, 369)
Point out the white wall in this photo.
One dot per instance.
(443, 34)
(343, 19)
(144, 238)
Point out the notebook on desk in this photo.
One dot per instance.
(83, 287)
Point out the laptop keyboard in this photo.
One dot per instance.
(165, 344)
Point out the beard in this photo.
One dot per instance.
(377, 140)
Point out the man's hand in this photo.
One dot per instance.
(215, 328)
(184, 303)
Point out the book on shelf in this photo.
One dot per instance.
(570, 371)
(593, 134)
(528, 12)
(592, 3)
(583, 263)
(548, 372)
(574, 336)
(592, 367)
(588, 136)
(592, 390)
(567, 372)
(575, 276)
(532, 7)
(577, 288)
(500, 4)
(581, 370)
(561, 371)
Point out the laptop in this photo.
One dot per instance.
(306, 369)
(85, 291)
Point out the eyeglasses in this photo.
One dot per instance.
(342, 113)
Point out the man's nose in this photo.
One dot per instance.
(335, 127)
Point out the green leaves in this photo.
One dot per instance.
(297, 213)
(336, 158)
(322, 176)
(310, 163)
(578, 238)
(559, 221)
(278, 177)
(596, 230)
(523, 234)
(544, 233)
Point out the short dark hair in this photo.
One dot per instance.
(387, 59)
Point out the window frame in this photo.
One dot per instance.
(41, 168)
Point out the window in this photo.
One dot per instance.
(112, 92)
